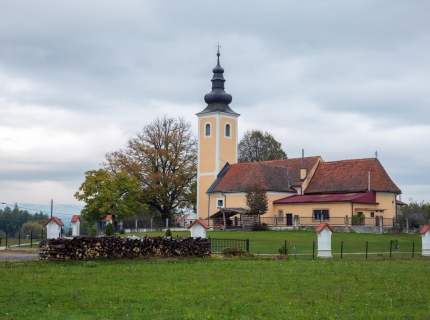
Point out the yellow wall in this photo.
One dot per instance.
(228, 148)
(203, 185)
(207, 146)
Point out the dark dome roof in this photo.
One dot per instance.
(218, 95)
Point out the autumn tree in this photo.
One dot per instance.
(163, 158)
(256, 200)
(108, 193)
(417, 213)
(257, 145)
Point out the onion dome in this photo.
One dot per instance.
(218, 95)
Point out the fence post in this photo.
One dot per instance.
(313, 250)
(31, 238)
(380, 223)
(367, 247)
(346, 221)
(19, 238)
(247, 245)
(275, 221)
(341, 246)
(296, 221)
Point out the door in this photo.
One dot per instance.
(289, 219)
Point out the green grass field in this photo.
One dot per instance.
(216, 288)
(268, 242)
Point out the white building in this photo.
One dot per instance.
(425, 235)
(76, 223)
(53, 228)
(324, 232)
(198, 229)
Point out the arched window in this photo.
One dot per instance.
(207, 130)
(227, 130)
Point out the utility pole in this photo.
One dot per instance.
(52, 204)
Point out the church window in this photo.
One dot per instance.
(207, 130)
(280, 215)
(227, 130)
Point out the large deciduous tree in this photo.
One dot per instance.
(163, 158)
(257, 145)
(416, 213)
(108, 193)
(256, 200)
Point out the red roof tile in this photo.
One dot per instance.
(109, 217)
(351, 176)
(424, 230)
(322, 226)
(361, 197)
(56, 220)
(200, 222)
(401, 203)
(76, 217)
(270, 175)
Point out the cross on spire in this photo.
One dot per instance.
(218, 46)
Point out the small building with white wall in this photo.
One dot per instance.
(198, 229)
(53, 228)
(425, 235)
(76, 224)
(324, 232)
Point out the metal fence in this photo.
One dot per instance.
(219, 245)
(19, 239)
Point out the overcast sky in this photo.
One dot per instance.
(340, 79)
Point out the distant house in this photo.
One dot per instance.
(53, 228)
(185, 220)
(76, 223)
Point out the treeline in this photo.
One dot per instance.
(417, 214)
(14, 220)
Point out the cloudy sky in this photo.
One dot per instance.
(340, 79)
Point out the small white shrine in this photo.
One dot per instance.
(324, 232)
(53, 228)
(425, 235)
(76, 224)
(198, 229)
(109, 219)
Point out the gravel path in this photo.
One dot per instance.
(18, 256)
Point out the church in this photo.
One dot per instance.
(304, 190)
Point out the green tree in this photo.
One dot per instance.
(256, 200)
(34, 226)
(257, 145)
(417, 213)
(109, 229)
(108, 193)
(163, 157)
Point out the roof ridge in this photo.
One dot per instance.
(344, 160)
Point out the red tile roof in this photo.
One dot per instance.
(200, 222)
(350, 176)
(361, 197)
(401, 203)
(322, 226)
(76, 217)
(56, 220)
(270, 175)
(424, 230)
(109, 217)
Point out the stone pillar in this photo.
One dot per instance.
(346, 221)
(425, 236)
(296, 221)
(275, 220)
(380, 223)
(324, 232)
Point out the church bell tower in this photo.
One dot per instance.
(217, 138)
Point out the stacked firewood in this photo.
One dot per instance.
(84, 247)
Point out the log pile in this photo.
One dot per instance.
(88, 248)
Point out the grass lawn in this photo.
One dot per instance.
(268, 242)
(216, 288)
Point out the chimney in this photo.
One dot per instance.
(288, 178)
(303, 169)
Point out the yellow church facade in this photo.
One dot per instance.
(306, 188)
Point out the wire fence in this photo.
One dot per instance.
(19, 239)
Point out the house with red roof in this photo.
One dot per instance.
(53, 228)
(76, 224)
(305, 188)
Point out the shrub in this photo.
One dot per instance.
(168, 233)
(121, 231)
(260, 227)
(93, 231)
(109, 229)
(233, 251)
